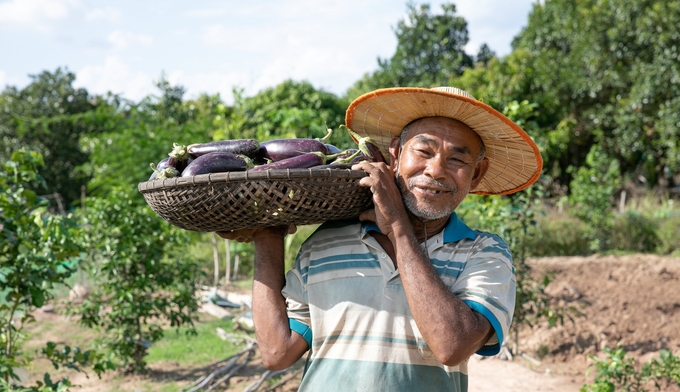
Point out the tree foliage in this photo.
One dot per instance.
(288, 110)
(50, 116)
(37, 251)
(430, 51)
(144, 133)
(601, 72)
(142, 279)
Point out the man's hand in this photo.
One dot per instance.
(388, 203)
(248, 235)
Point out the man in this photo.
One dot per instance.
(401, 298)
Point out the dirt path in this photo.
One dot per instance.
(493, 374)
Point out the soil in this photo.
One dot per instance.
(632, 301)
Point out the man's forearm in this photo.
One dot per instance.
(451, 329)
(280, 346)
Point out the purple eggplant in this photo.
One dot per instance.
(159, 167)
(351, 157)
(217, 162)
(179, 157)
(279, 149)
(163, 170)
(303, 161)
(332, 149)
(247, 147)
(367, 146)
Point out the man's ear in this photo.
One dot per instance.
(480, 170)
(395, 149)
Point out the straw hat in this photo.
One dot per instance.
(515, 162)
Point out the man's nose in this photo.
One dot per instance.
(435, 167)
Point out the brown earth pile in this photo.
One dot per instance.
(631, 300)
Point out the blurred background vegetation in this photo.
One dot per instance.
(595, 83)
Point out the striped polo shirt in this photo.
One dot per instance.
(345, 297)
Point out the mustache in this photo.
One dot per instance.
(424, 181)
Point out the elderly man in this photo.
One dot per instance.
(401, 298)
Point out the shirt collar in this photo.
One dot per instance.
(454, 231)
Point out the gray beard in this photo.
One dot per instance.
(411, 204)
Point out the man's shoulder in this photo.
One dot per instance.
(485, 237)
(330, 229)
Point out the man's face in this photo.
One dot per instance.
(437, 166)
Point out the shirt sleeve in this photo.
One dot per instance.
(297, 305)
(487, 285)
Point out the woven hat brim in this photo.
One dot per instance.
(515, 161)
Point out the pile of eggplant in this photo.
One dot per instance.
(248, 154)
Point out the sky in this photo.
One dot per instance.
(210, 46)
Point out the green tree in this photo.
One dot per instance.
(290, 109)
(601, 72)
(50, 116)
(37, 251)
(613, 67)
(142, 278)
(485, 54)
(144, 133)
(430, 51)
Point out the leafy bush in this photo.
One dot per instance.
(559, 235)
(37, 251)
(143, 278)
(634, 232)
(669, 239)
(619, 371)
(591, 193)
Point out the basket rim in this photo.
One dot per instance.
(244, 176)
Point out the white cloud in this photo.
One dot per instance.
(249, 39)
(34, 13)
(107, 14)
(117, 77)
(3, 80)
(122, 39)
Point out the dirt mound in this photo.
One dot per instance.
(630, 300)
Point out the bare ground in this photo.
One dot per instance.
(631, 300)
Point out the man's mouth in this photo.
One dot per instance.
(432, 187)
(430, 190)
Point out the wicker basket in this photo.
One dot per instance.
(243, 200)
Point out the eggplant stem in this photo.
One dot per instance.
(361, 142)
(347, 159)
(324, 139)
(179, 152)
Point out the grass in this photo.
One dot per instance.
(203, 348)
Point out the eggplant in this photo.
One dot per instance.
(163, 171)
(279, 149)
(332, 149)
(247, 147)
(303, 161)
(367, 146)
(371, 150)
(217, 162)
(351, 156)
(179, 157)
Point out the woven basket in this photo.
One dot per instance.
(243, 200)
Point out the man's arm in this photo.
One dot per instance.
(451, 329)
(280, 347)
